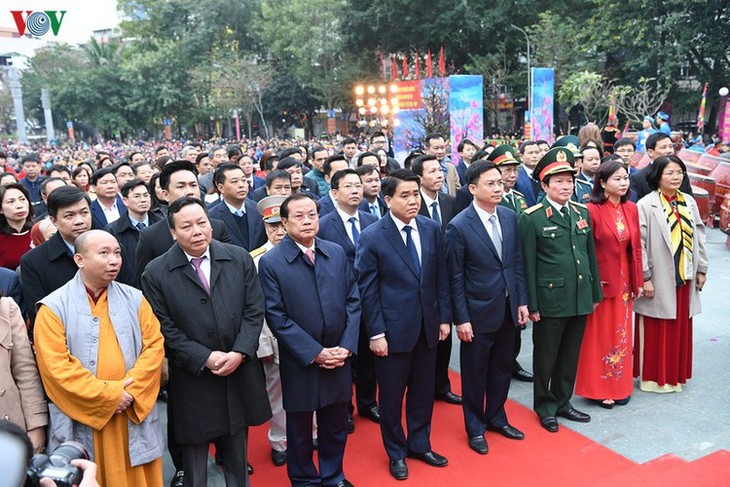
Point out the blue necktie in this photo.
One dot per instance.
(374, 211)
(140, 226)
(412, 249)
(355, 232)
(435, 212)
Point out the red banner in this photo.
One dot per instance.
(409, 95)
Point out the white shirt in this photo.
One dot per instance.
(204, 265)
(484, 216)
(528, 171)
(414, 234)
(345, 220)
(429, 204)
(111, 213)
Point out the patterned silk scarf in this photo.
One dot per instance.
(679, 220)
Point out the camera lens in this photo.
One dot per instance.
(67, 451)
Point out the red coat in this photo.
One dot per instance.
(608, 248)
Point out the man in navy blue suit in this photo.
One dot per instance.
(343, 227)
(489, 298)
(252, 181)
(331, 165)
(108, 205)
(529, 154)
(404, 289)
(313, 308)
(236, 210)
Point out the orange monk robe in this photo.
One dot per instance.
(93, 400)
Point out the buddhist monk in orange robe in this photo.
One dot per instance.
(117, 396)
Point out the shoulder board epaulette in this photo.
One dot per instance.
(533, 209)
(581, 205)
(259, 251)
(518, 193)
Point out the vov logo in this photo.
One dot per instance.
(38, 23)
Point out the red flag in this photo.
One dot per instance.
(405, 66)
(442, 62)
(393, 67)
(418, 66)
(429, 65)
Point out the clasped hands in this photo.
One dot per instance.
(127, 398)
(332, 357)
(223, 364)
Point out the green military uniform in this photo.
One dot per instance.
(515, 201)
(583, 189)
(562, 280)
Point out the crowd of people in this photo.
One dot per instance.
(245, 284)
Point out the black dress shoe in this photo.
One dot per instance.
(478, 444)
(523, 376)
(430, 457)
(574, 415)
(178, 480)
(162, 396)
(344, 483)
(550, 423)
(510, 432)
(350, 424)
(399, 469)
(249, 468)
(373, 414)
(449, 397)
(278, 458)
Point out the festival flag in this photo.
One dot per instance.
(393, 67)
(429, 65)
(612, 109)
(701, 116)
(405, 66)
(418, 65)
(442, 62)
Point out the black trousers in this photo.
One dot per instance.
(231, 449)
(364, 368)
(443, 358)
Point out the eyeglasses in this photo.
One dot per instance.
(671, 174)
(350, 187)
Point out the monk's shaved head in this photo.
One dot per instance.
(91, 239)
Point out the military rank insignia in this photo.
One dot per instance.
(581, 224)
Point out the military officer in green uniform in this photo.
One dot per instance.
(562, 283)
(506, 159)
(583, 189)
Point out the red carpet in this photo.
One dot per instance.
(561, 459)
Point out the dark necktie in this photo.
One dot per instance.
(355, 232)
(411, 246)
(197, 261)
(140, 226)
(564, 212)
(435, 212)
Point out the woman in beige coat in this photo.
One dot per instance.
(674, 264)
(22, 400)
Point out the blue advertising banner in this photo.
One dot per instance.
(541, 109)
(466, 111)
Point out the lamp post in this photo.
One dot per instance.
(529, 74)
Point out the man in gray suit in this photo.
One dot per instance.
(208, 299)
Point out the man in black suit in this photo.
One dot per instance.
(51, 265)
(343, 227)
(177, 179)
(236, 210)
(441, 208)
(208, 299)
(331, 165)
(372, 200)
(404, 290)
(278, 183)
(293, 166)
(489, 298)
(126, 230)
(658, 144)
(40, 211)
(108, 205)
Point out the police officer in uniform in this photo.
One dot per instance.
(505, 158)
(563, 285)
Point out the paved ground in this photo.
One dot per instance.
(690, 424)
